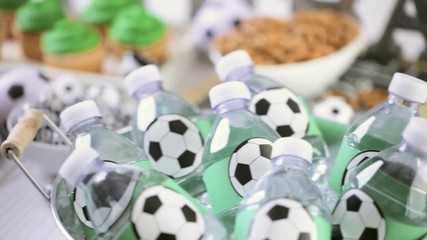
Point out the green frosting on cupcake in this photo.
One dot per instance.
(69, 37)
(10, 5)
(103, 11)
(136, 27)
(38, 16)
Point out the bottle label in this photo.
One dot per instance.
(281, 217)
(164, 210)
(229, 179)
(221, 193)
(347, 160)
(282, 111)
(79, 205)
(146, 113)
(357, 215)
(313, 129)
(174, 145)
(145, 164)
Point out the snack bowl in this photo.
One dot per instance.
(311, 78)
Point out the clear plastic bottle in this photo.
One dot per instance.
(169, 129)
(237, 150)
(395, 183)
(126, 202)
(285, 201)
(279, 107)
(379, 128)
(145, 85)
(83, 122)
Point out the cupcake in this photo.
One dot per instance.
(100, 13)
(137, 30)
(7, 13)
(32, 19)
(72, 45)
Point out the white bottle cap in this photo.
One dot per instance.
(416, 133)
(228, 91)
(141, 77)
(75, 165)
(293, 147)
(232, 61)
(79, 112)
(408, 87)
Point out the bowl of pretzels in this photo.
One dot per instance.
(307, 53)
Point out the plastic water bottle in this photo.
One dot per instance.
(237, 151)
(285, 203)
(145, 85)
(83, 122)
(169, 129)
(125, 202)
(386, 194)
(279, 107)
(379, 128)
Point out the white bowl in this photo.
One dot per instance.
(311, 78)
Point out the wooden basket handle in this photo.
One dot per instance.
(23, 133)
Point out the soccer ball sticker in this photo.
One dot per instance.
(282, 111)
(357, 216)
(161, 213)
(282, 219)
(174, 145)
(80, 207)
(356, 161)
(249, 161)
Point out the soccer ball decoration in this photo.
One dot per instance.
(334, 109)
(356, 161)
(282, 111)
(68, 89)
(80, 207)
(249, 161)
(282, 217)
(21, 84)
(174, 145)
(161, 213)
(215, 18)
(357, 216)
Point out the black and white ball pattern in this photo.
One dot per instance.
(357, 216)
(69, 89)
(282, 111)
(334, 109)
(80, 207)
(161, 213)
(174, 145)
(282, 218)
(356, 161)
(248, 163)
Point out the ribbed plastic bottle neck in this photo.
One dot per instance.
(414, 107)
(231, 105)
(86, 126)
(291, 162)
(240, 74)
(148, 90)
